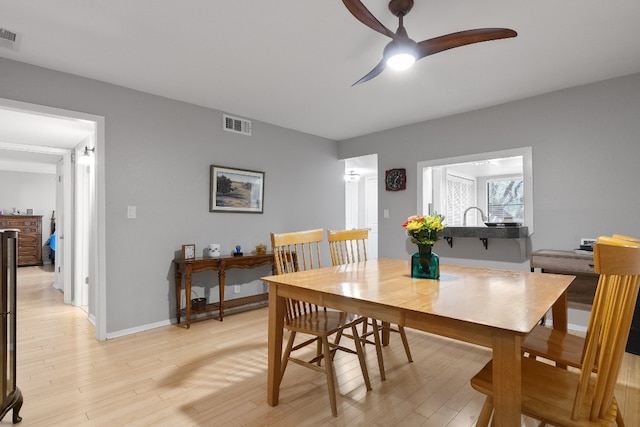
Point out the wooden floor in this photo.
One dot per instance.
(215, 374)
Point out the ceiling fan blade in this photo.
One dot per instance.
(462, 38)
(363, 15)
(373, 73)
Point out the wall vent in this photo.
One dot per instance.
(9, 39)
(236, 125)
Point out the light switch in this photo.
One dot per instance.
(385, 213)
(131, 212)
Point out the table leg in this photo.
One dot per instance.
(507, 379)
(559, 312)
(276, 325)
(178, 289)
(386, 332)
(221, 281)
(187, 296)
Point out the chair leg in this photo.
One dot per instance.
(378, 343)
(365, 326)
(363, 362)
(619, 419)
(328, 368)
(287, 353)
(485, 413)
(405, 343)
(319, 352)
(336, 341)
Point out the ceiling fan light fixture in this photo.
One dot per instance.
(401, 61)
(401, 55)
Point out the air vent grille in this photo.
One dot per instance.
(9, 39)
(236, 125)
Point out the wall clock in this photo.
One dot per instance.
(395, 179)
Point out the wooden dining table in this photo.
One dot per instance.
(488, 307)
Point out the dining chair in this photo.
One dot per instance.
(350, 246)
(563, 348)
(628, 238)
(300, 251)
(583, 397)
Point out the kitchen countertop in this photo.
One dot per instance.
(485, 232)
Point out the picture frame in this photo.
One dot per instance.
(29, 211)
(236, 190)
(188, 251)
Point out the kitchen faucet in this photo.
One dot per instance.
(464, 215)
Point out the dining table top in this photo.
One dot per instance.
(505, 299)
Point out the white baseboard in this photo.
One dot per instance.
(124, 332)
(142, 328)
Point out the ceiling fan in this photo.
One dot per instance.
(401, 52)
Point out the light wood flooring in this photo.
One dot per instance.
(214, 374)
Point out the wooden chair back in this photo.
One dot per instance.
(618, 264)
(297, 251)
(623, 237)
(348, 246)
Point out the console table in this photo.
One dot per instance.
(187, 267)
(582, 290)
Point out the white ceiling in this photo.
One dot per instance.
(292, 63)
(34, 142)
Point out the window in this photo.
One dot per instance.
(461, 193)
(505, 200)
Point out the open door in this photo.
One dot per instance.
(64, 203)
(82, 231)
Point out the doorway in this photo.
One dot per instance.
(361, 198)
(68, 132)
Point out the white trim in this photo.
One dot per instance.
(32, 148)
(137, 329)
(65, 232)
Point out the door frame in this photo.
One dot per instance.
(361, 197)
(97, 246)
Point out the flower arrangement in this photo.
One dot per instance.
(424, 229)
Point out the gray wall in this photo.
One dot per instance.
(586, 153)
(158, 153)
(26, 190)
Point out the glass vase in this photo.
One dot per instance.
(425, 263)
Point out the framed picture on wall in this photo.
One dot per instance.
(236, 190)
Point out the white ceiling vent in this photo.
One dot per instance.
(236, 124)
(9, 39)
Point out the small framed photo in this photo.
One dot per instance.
(188, 251)
(29, 211)
(236, 190)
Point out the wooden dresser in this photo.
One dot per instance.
(29, 238)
